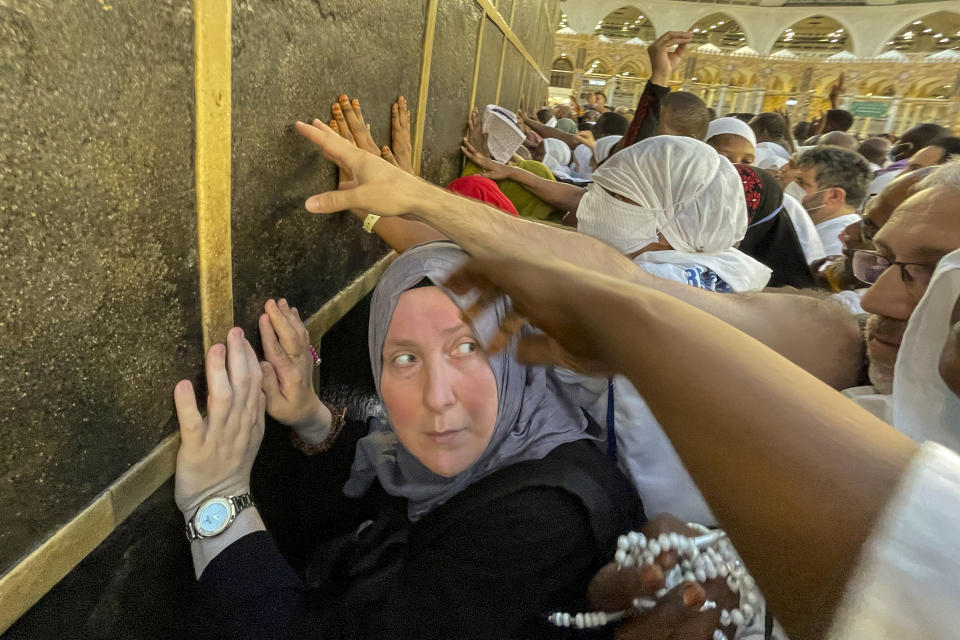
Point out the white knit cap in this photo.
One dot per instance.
(736, 126)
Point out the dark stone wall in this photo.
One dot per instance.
(99, 309)
(98, 288)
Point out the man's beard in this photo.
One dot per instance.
(882, 362)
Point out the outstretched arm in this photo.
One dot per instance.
(818, 335)
(550, 132)
(559, 195)
(796, 473)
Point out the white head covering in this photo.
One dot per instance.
(603, 146)
(770, 155)
(552, 122)
(556, 156)
(684, 190)
(736, 126)
(924, 408)
(582, 156)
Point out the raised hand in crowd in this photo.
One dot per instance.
(288, 373)
(664, 58)
(835, 91)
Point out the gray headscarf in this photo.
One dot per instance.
(533, 418)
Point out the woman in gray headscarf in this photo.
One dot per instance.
(481, 504)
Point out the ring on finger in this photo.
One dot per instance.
(293, 356)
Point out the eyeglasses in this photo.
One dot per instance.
(868, 266)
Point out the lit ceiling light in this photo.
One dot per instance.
(938, 35)
(917, 22)
(834, 40)
(713, 26)
(891, 42)
(927, 30)
(696, 30)
(721, 22)
(945, 40)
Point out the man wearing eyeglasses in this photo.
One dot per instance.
(920, 232)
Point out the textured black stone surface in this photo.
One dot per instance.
(99, 315)
(451, 77)
(138, 584)
(511, 82)
(291, 61)
(489, 70)
(98, 288)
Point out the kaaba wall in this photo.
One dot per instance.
(146, 209)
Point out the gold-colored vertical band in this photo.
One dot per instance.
(211, 82)
(476, 58)
(501, 23)
(421, 120)
(503, 52)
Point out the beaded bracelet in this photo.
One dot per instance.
(705, 557)
(339, 418)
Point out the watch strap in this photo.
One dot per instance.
(369, 221)
(239, 503)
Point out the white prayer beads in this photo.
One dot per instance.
(706, 557)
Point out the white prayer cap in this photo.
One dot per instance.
(736, 126)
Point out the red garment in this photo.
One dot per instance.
(484, 190)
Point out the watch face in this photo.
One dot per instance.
(213, 517)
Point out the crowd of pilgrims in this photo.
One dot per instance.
(709, 391)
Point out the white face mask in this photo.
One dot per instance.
(806, 201)
(795, 190)
(625, 227)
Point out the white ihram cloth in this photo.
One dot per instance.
(603, 146)
(770, 155)
(922, 406)
(829, 232)
(907, 580)
(684, 190)
(806, 231)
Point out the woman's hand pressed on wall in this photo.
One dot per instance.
(217, 451)
(288, 373)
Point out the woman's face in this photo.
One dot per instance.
(437, 384)
(734, 148)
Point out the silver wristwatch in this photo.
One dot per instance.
(215, 515)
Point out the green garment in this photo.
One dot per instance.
(567, 125)
(527, 204)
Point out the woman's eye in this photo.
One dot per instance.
(466, 347)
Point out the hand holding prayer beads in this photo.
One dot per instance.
(688, 566)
